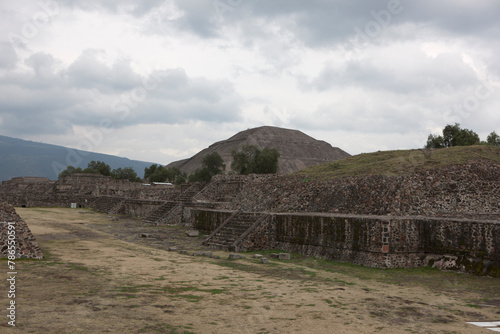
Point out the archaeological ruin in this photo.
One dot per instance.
(448, 217)
(16, 238)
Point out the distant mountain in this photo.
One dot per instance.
(297, 150)
(27, 158)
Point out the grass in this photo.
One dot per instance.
(351, 274)
(401, 162)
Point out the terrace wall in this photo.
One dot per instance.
(376, 241)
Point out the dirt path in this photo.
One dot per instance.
(101, 276)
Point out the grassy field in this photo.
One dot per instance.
(403, 162)
(100, 276)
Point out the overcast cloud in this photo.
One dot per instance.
(160, 80)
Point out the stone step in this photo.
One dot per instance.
(218, 246)
(159, 213)
(233, 230)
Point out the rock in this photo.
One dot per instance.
(183, 252)
(217, 257)
(264, 260)
(258, 256)
(284, 256)
(207, 254)
(172, 249)
(274, 255)
(193, 233)
(198, 254)
(235, 256)
(145, 235)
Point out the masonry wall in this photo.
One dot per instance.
(139, 208)
(207, 221)
(376, 241)
(455, 190)
(82, 189)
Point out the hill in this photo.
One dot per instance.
(402, 162)
(27, 158)
(297, 150)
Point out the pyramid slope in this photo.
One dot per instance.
(297, 150)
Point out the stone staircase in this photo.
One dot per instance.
(165, 209)
(161, 212)
(230, 231)
(188, 194)
(106, 204)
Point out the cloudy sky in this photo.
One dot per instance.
(159, 80)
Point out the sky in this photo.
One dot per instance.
(160, 80)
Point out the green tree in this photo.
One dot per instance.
(127, 173)
(148, 171)
(214, 164)
(250, 159)
(266, 162)
(453, 135)
(244, 159)
(434, 141)
(98, 167)
(493, 139)
(162, 174)
(70, 170)
(200, 175)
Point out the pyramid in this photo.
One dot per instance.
(297, 150)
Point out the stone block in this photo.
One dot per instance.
(264, 260)
(258, 256)
(274, 255)
(284, 256)
(235, 256)
(183, 252)
(172, 249)
(193, 233)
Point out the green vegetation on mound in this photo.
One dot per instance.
(402, 162)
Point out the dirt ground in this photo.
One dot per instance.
(108, 275)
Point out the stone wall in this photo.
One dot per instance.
(139, 207)
(224, 188)
(25, 243)
(207, 221)
(82, 189)
(376, 241)
(455, 190)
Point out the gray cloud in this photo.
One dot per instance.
(48, 100)
(319, 23)
(87, 71)
(131, 7)
(8, 57)
(407, 74)
(387, 85)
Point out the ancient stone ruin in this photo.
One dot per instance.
(446, 217)
(15, 234)
(297, 150)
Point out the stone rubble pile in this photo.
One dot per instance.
(25, 243)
